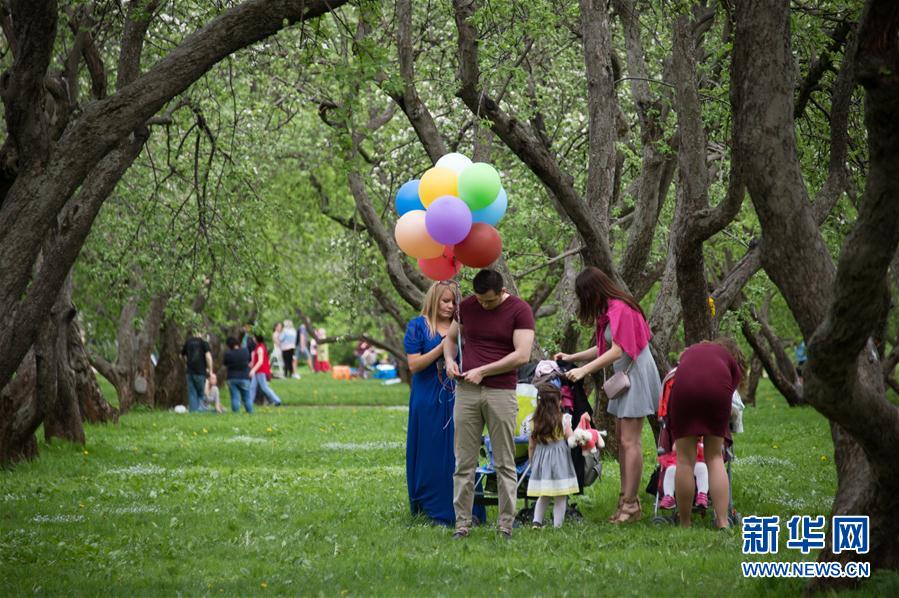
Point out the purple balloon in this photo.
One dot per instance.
(448, 220)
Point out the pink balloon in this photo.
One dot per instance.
(440, 268)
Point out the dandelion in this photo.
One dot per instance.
(194, 433)
(205, 431)
(269, 429)
(824, 457)
(263, 585)
(86, 453)
(775, 446)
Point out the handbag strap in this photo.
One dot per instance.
(626, 371)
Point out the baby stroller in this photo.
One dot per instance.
(665, 451)
(526, 392)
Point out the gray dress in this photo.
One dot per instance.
(642, 398)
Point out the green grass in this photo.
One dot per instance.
(310, 499)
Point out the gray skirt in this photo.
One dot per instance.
(642, 398)
(552, 470)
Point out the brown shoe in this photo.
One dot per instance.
(630, 511)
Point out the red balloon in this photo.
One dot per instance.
(440, 267)
(480, 248)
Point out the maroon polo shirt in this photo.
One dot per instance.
(488, 335)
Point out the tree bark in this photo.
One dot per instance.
(62, 413)
(94, 407)
(755, 375)
(843, 376)
(695, 221)
(133, 374)
(170, 373)
(20, 415)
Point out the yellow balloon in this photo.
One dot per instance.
(437, 182)
(412, 236)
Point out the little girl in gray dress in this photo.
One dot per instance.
(552, 470)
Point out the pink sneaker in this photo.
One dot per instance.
(667, 502)
(702, 500)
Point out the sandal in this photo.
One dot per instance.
(630, 511)
(617, 512)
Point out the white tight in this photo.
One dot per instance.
(559, 505)
(700, 472)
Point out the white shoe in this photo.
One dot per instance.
(296, 376)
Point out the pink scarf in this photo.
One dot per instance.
(629, 329)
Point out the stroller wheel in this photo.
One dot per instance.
(525, 515)
(661, 520)
(573, 514)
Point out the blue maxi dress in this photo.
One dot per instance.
(430, 460)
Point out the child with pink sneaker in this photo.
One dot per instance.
(668, 461)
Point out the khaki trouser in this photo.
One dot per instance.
(474, 406)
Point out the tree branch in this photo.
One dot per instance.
(521, 139)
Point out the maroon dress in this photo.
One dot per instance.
(704, 384)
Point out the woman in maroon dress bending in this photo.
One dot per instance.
(707, 375)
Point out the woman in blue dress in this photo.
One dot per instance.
(429, 442)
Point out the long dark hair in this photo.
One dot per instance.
(547, 421)
(594, 288)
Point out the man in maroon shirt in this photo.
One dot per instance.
(498, 332)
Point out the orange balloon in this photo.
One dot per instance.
(413, 238)
(437, 182)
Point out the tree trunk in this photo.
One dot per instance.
(843, 375)
(93, 406)
(62, 414)
(755, 374)
(170, 372)
(133, 374)
(20, 415)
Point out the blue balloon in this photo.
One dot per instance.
(494, 212)
(407, 198)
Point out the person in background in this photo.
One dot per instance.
(260, 371)
(212, 393)
(249, 339)
(313, 354)
(801, 358)
(198, 360)
(324, 361)
(237, 362)
(302, 352)
(288, 342)
(277, 361)
(359, 352)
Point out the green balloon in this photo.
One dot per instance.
(478, 185)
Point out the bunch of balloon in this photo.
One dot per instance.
(447, 217)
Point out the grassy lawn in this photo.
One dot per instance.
(310, 499)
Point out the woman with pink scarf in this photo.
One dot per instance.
(622, 340)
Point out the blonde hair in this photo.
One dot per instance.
(430, 306)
